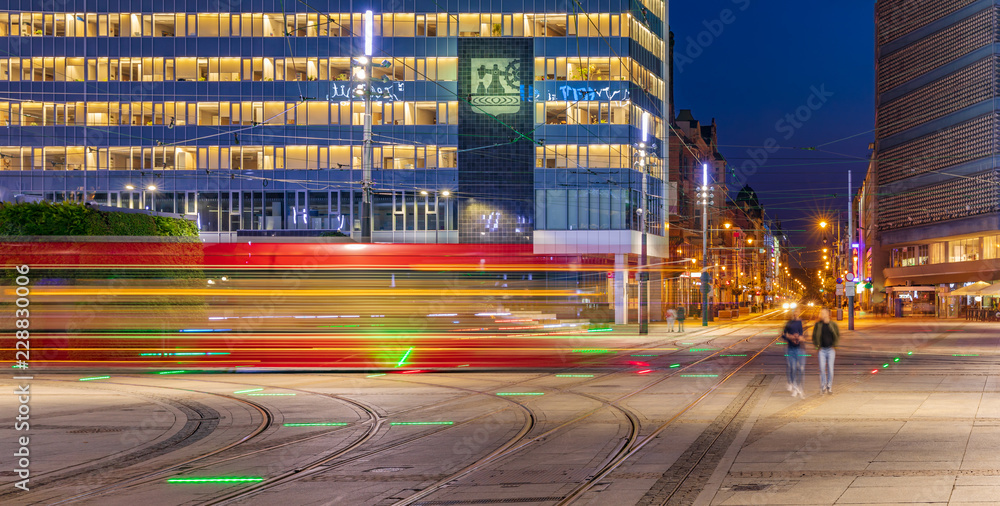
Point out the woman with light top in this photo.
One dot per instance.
(826, 336)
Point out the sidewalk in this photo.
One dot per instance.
(915, 418)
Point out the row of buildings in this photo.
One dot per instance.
(928, 210)
(490, 123)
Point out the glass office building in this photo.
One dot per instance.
(493, 122)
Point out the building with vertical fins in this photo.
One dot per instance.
(937, 213)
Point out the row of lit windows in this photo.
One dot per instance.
(598, 69)
(594, 113)
(174, 114)
(256, 157)
(313, 25)
(959, 250)
(227, 69)
(593, 156)
(248, 157)
(218, 69)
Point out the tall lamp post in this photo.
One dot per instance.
(643, 151)
(705, 195)
(849, 254)
(363, 74)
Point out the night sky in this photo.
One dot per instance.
(764, 64)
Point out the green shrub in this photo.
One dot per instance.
(130, 224)
(68, 218)
(175, 228)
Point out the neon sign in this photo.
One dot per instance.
(389, 92)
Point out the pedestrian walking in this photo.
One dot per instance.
(795, 360)
(826, 336)
(671, 316)
(681, 316)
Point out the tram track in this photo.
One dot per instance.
(101, 466)
(330, 461)
(632, 443)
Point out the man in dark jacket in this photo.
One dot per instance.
(826, 336)
(792, 334)
(681, 316)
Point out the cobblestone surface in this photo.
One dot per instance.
(686, 478)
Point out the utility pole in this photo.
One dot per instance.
(364, 75)
(850, 256)
(644, 149)
(706, 195)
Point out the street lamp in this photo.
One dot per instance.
(643, 150)
(705, 195)
(152, 196)
(363, 74)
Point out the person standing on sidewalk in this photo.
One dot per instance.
(671, 316)
(681, 316)
(792, 334)
(826, 336)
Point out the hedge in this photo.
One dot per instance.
(68, 218)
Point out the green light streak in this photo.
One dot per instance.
(699, 375)
(403, 360)
(171, 372)
(643, 355)
(674, 365)
(909, 353)
(95, 378)
(885, 365)
(600, 330)
(375, 375)
(574, 375)
(269, 394)
(422, 423)
(701, 349)
(248, 391)
(215, 480)
(895, 359)
(966, 355)
(591, 351)
(331, 424)
(520, 393)
(737, 355)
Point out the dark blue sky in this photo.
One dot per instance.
(763, 65)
